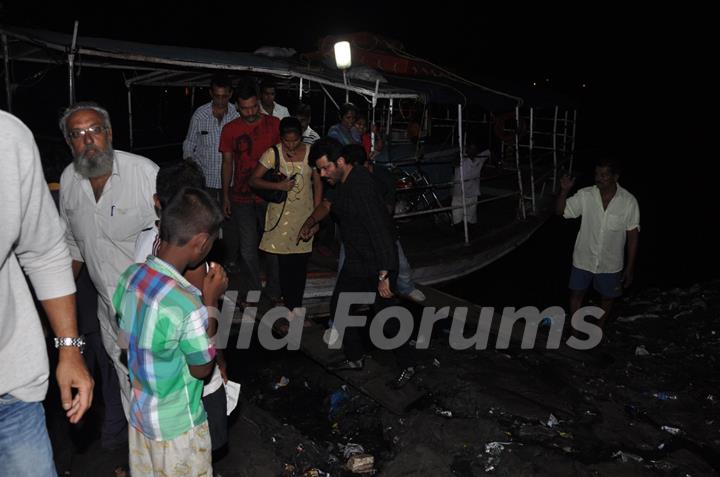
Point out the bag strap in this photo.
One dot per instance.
(277, 158)
(277, 170)
(279, 217)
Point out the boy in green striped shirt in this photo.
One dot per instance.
(163, 319)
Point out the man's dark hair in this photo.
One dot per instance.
(266, 84)
(325, 146)
(171, 179)
(245, 90)
(220, 81)
(190, 212)
(354, 154)
(290, 125)
(610, 163)
(346, 108)
(303, 111)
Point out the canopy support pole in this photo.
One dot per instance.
(530, 156)
(462, 174)
(130, 116)
(71, 65)
(372, 123)
(554, 148)
(517, 166)
(389, 121)
(565, 138)
(572, 146)
(8, 88)
(328, 95)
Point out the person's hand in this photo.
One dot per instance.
(222, 365)
(287, 184)
(628, 276)
(309, 228)
(384, 288)
(72, 374)
(215, 283)
(227, 210)
(566, 183)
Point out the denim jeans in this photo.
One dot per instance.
(248, 222)
(405, 285)
(24, 443)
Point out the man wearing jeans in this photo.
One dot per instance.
(610, 222)
(242, 142)
(32, 241)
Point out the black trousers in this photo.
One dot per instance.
(353, 341)
(215, 405)
(293, 277)
(114, 427)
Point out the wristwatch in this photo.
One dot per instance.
(382, 276)
(63, 341)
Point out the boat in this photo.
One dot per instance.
(413, 101)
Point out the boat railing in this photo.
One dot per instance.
(449, 208)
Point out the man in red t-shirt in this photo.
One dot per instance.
(242, 142)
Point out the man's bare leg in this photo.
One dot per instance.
(606, 305)
(576, 300)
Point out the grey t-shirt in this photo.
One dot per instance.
(31, 241)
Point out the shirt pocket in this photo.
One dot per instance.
(126, 223)
(203, 138)
(615, 222)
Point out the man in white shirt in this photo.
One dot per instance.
(106, 201)
(610, 224)
(32, 245)
(303, 113)
(267, 102)
(471, 164)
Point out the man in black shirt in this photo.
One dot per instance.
(368, 234)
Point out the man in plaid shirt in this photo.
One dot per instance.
(203, 137)
(164, 322)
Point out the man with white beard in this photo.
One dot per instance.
(105, 201)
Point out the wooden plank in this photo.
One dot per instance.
(372, 380)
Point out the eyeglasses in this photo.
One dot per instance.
(92, 130)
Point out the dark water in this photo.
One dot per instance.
(673, 252)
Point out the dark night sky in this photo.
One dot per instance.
(512, 41)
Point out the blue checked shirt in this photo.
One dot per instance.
(203, 142)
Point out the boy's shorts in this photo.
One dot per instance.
(609, 285)
(188, 454)
(216, 409)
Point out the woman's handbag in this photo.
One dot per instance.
(273, 175)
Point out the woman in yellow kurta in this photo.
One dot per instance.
(304, 190)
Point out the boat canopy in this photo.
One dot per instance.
(164, 65)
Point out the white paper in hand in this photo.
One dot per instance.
(232, 391)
